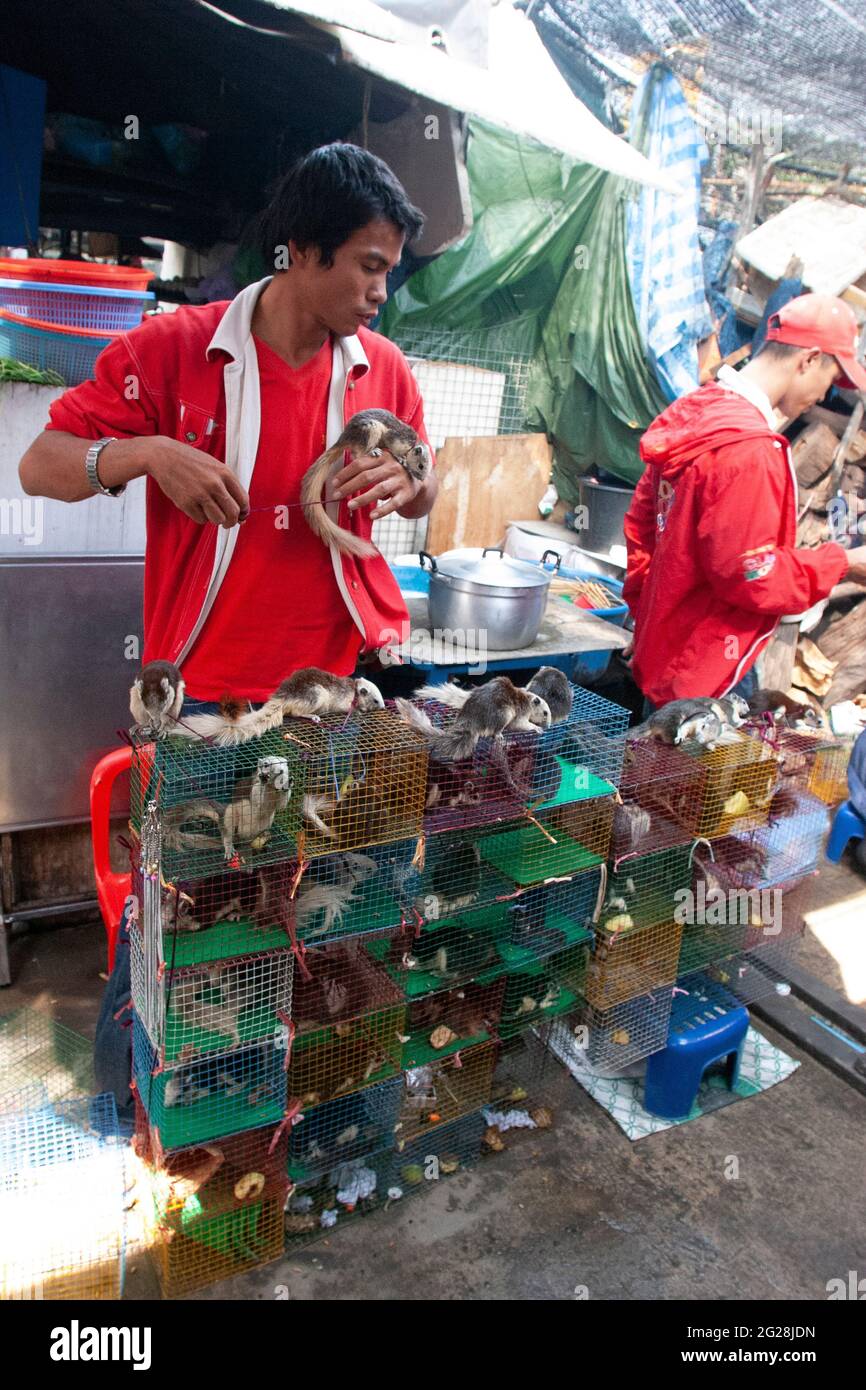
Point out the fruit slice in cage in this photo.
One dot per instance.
(221, 1175)
(626, 962)
(222, 1093)
(307, 787)
(212, 1008)
(440, 1084)
(340, 1130)
(350, 1189)
(577, 758)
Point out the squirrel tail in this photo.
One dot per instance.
(447, 694)
(315, 513)
(227, 731)
(449, 745)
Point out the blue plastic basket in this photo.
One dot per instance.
(75, 306)
(69, 353)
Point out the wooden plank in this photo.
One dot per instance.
(777, 661)
(813, 453)
(786, 1015)
(483, 484)
(845, 642)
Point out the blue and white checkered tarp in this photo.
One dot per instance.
(665, 263)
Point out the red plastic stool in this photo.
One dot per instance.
(112, 889)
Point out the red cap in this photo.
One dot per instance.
(825, 322)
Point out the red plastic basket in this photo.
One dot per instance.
(117, 277)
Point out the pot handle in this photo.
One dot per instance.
(497, 550)
(425, 555)
(557, 558)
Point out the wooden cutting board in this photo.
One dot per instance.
(483, 484)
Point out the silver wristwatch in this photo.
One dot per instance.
(90, 461)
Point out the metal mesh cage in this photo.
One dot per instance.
(441, 1084)
(37, 1051)
(707, 793)
(352, 1188)
(225, 1093)
(508, 938)
(753, 974)
(576, 759)
(631, 961)
(62, 1198)
(444, 1151)
(207, 1248)
(343, 1129)
(344, 980)
(224, 1175)
(332, 1061)
(199, 921)
(643, 889)
(474, 381)
(626, 1032)
(306, 789)
(211, 1008)
(809, 759)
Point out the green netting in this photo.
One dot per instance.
(544, 268)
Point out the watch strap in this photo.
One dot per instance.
(90, 467)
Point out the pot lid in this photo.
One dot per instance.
(493, 568)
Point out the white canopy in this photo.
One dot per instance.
(521, 90)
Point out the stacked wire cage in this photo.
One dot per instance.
(706, 846)
(264, 874)
(498, 897)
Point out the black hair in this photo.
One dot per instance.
(779, 351)
(327, 195)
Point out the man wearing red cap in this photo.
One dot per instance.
(711, 531)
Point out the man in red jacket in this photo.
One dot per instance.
(711, 531)
(223, 408)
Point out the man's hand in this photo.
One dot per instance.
(387, 485)
(201, 487)
(857, 564)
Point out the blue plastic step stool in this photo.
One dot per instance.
(707, 1025)
(847, 825)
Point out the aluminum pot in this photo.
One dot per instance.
(492, 593)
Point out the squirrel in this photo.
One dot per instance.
(786, 711)
(550, 683)
(370, 432)
(311, 693)
(489, 710)
(156, 697)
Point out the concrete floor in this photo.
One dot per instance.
(581, 1208)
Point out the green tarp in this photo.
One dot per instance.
(544, 266)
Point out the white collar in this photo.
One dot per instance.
(735, 381)
(233, 330)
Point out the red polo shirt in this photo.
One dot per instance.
(279, 607)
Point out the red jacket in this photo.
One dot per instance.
(168, 377)
(711, 532)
